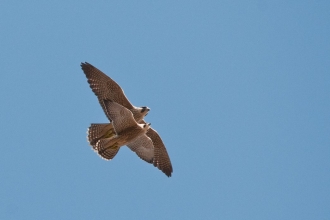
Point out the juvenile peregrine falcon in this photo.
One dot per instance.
(107, 89)
(127, 132)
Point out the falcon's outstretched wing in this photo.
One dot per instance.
(104, 87)
(161, 159)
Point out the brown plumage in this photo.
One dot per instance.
(106, 88)
(127, 132)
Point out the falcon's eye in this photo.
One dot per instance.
(143, 109)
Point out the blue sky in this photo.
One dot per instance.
(238, 91)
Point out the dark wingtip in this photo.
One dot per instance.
(85, 65)
(168, 173)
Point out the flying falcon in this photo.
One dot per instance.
(107, 89)
(128, 132)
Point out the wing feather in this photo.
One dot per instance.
(104, 87)
(143, 147)
(161, 159)
(121, 117)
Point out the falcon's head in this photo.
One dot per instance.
(139, 112)
(146, 126)
(144, 110)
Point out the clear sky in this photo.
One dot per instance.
(239, 92)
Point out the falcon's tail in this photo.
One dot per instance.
(99, 131)
(107, 148)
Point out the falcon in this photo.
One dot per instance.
(106, 89)
(127, 132)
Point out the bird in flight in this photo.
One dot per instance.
(128, 132)
(111, 97)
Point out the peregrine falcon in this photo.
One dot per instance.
(127, 132)
(106, 90)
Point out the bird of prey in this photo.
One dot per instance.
(107, 89)
(127, 132)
